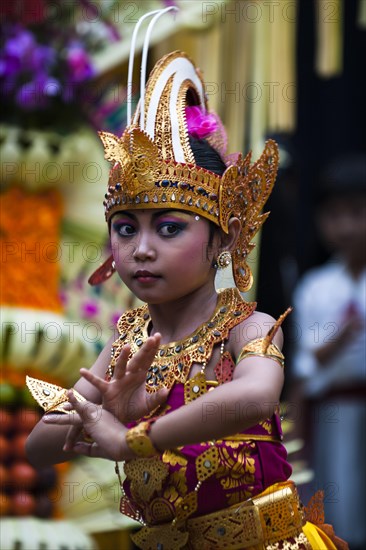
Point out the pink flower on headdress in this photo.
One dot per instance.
(200, 125)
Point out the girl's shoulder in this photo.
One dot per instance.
(256, 325)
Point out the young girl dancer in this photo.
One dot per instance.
(187, 394)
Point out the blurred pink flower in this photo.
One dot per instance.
(89, 309)
(78, 62)
(115, 317)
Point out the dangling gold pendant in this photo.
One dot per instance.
(195, 387)
(207, 463)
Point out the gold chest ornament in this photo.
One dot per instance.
(173, 361)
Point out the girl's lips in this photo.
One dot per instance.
(145, 276)
(144, 273)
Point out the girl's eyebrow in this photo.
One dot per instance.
(125, 213)
(155, 214)
(168, 212)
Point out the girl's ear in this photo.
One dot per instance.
(228, 240)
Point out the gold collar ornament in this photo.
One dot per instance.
(173, 361)
(154, 165)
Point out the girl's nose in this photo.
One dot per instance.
(143, 248)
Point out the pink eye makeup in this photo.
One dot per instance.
(166, 223)
(124, 226)
(171, 224)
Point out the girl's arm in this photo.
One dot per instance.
(250, 397)
(124, 397)
(45, 442)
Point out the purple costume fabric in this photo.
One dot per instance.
(248, 463)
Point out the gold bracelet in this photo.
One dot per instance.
(138, 440)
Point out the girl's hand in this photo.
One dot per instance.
(106, 433)
(125, 396)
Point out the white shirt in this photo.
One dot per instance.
(321, 301)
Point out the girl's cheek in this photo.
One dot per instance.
(122, 251)
(197, 252)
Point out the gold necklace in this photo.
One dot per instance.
(173, 361)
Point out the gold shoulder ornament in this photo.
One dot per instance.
(264, 347)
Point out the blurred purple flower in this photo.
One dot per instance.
(21, 43)
(28, 96)
(44, 57)
(33, 73)
(36, 93)
(17, 49)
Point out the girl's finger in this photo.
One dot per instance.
(89, 449)
(121, 363)
(87, 411)
(156, 399)
(143, 359)
(72, 437)
(80, 447)
(62, 419)
(97, 382)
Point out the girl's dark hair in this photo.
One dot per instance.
(206, 156)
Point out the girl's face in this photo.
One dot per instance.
(162, 255)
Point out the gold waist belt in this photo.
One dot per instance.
(274, 515)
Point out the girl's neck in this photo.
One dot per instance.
(178, 319)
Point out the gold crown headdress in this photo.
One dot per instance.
(154, 166)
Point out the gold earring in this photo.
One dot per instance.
(223, 259)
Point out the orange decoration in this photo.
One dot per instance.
(17, 379)
(4, 504)
(30, 249)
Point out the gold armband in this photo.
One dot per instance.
(255, 349)
(264, 347)
(139, 442)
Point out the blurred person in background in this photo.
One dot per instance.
(330, 355)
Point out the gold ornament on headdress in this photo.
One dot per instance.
(154, 165)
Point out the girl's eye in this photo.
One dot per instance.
(170, 229)
(124, 229)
